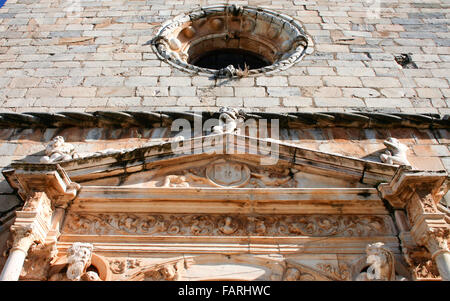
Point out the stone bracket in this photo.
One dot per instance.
(51, 179)
(406, 182)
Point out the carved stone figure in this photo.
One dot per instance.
(264, 180)
(293, 274)
(183, 180)
(170, 271)
(228, 121)
(58, 150)
(91, 276)
(381, 262)
(228, 227)
(395, 153)
(79, 259)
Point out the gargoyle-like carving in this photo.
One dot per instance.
(58, 150)
(395, 153)
(79, 259)
(228, 121)
(381, 261)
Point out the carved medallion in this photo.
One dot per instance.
(228, 174)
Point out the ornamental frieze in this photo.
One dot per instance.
(229, 225)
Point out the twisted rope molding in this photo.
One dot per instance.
(152, 119)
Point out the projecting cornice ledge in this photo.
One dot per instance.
(406, 182)
(150, 119)
(49, 178)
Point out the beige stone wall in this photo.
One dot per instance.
(90, 55)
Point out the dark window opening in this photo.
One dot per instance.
(405, 61)
(219, 59)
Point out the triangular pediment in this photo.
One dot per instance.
(221, 161)
(225, 171)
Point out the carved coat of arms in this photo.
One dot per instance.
(228, 174)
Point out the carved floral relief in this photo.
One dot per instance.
(222, 225)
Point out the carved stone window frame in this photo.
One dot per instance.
(277, 37)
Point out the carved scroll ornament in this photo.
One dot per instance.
(236, 225)
(170, 271)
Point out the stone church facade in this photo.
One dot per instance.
(251, 140)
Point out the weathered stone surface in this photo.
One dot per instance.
(95, 62)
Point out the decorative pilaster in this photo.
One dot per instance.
(418, 192)
(32, 224)
(430, 230)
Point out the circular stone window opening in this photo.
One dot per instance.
(229, 40)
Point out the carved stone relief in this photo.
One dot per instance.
(38, 262)
(228, 174)
(169, 271)
(236, 225)
(339, 272)
(120, 266)
(422, 266)
(294, 274)
(229, 120)
(222, 173)
(58, 150)
(79, 258)
(395, 153)
(381, 264)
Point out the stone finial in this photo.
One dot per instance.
(381, 261)
(79, 259)
(395, 153)
(58, 150)
(228, 121)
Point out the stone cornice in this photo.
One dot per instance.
(51, 179)
(406, 182)
(150, 119)
(148, 157)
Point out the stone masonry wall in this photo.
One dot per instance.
(91, 55)
(67, 55)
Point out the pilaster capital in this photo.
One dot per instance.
(32, 222)
(23, 238)
(436, 241)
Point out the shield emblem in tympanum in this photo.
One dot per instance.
(228, 174)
